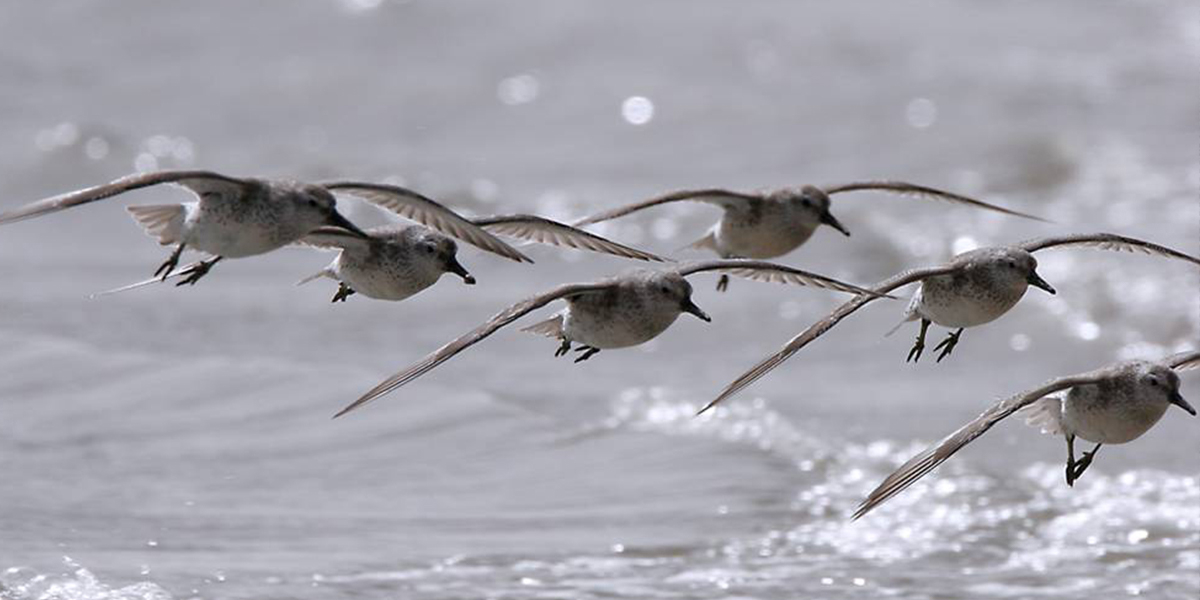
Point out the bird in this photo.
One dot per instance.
(239, 217)
(772, 223)
(974, 288)
(617, 312)
(397, 261)
(232, 217)
(1111, 405)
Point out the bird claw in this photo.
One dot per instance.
(344, 291)
(723, 283)
(588, 351)
(1076, 469)
(915, 353)
(947, 345)
(164, 270)
(563, 349)
(196, 271)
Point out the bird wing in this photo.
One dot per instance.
(446, 352)
(1184, 361)
(928, 460)
(759, 270)
(333, 238)
(428, 212)
(912, 189)
(720, 197)
(201, 183)
(1106, 241)
(545, 231)
(819, 328)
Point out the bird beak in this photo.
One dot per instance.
(1036, 281)
(453, 266)
(337, 220)
(690, 307)
(1177, 400)
(830, 220)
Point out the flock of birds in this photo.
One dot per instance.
(241, 217)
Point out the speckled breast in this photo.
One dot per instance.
(608, 321)
(1109, 414)
(967, 300)
(766, 230)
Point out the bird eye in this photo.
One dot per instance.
(664, 289)
(1153, 382)
(429, 249)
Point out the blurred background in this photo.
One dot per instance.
(172, 443)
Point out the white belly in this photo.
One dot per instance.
(1107, 420)
(383, 281)
(613, 329)
(962, 306)
(767, 238)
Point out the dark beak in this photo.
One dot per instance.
(690, 307)
(1036, 281)
(828, 219)
(1178, 400)
(453, 266)
(337, 220)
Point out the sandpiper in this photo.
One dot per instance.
(397, 261)
(233, 217)
(614, 313)
(1113, 405)
(974, 288)
(772, 223)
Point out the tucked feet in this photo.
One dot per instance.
(344, 291)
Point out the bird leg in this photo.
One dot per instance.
(947, 345)
(196, 271)
(1075, 468)
(588, 351)
(169, 265)
(344, 291)
(919, 346)
(563, 349)
(723, 283)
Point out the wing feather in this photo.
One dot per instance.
(720, 197)
(1106, 241)
(446, 352)
(545, 231)
(426, 211)
(912, 189)
(758, 270)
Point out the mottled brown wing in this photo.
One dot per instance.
(921, 464)
(426, 211)
(720, 197)
(1106, 241)
(200, 183)
(545, 231)
(912, 189)
(819, 328)
(473, 337)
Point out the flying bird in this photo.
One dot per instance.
(974, 288)
(1112, 405)
(770, 224)
(619, 312)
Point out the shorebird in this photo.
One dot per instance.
(619, 312)
(772, 223)
(397, 261)
(975, 287)
(239, 217)
(1113, 405)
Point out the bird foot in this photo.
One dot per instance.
(588, 351)
(344, 291)
(947, 345)
(723, 283)
(915, 353)
(196, 271)
(1076, 469)
(164, 270)
(563, 349)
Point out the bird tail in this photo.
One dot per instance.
(708, 242)
(164, 221)
(1045, 414)
(551, 328)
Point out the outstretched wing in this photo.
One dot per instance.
(333, 238)
(428, 212)
(912, 189)
(201, 183)
(758, 270)
(545, 231)
(926, 461)
(1106, 241)
(723, 198)
(819, 328)
(476, 335)
(1184, 361)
